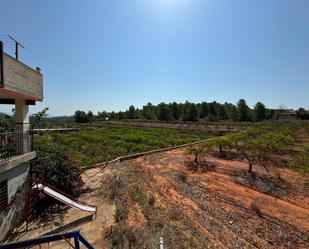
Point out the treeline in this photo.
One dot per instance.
(212, 111)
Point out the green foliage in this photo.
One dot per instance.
(132, 112)
(259, 111)
(53, 167)
(164, 112)
(259, 144)
(190, 112)
(89, 147)
(81, 117)
(302, 114)
(222, 143)
(38, 118)
(7, 123)
(197, 151)
(301, 160)
(244, 110)
(149, 111)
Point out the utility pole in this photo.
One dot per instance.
(17, 44)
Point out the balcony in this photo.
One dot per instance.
(15, 149)
(19, 81)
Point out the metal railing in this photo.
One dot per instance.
(78, 238)
(14, 143)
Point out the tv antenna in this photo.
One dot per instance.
(17, 44)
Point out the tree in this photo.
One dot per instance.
(90, 115)
(259, 111)
(164, 112)
(232, 111)
(222, 143)
(192, 114)
(102, 114)
(112, 116)
(212, 108)
(302, 113)
(176, 112)
(256, 145)
(197, 151)
(204, 110)
(131, 112)
(222, 115)
(121, 115)
(81, 117)
(244, 110)
(148, 111)
(38, 118)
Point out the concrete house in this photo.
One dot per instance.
(20, 86)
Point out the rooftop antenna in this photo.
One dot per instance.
(17, 44)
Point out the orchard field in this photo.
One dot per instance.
(92, 146)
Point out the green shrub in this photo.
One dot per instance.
(301, 160)
(52, 167)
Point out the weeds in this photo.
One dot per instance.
(255, 208)
(183, 176)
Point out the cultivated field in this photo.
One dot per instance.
(215, 205)
(92, 146)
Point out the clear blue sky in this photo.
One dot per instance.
(105, 55)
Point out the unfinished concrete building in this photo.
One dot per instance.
(21, 86)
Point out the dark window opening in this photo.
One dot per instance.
(3, 195)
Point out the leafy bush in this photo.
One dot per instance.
(52, 167)
(301, 160)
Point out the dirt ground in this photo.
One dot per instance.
(158, 195)
(65, 219)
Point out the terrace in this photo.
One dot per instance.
(21, 86)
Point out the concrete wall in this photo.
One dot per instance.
(17, 190)
(20, 78)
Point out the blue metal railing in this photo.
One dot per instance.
(50, 238)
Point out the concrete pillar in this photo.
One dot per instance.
(22, 126)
